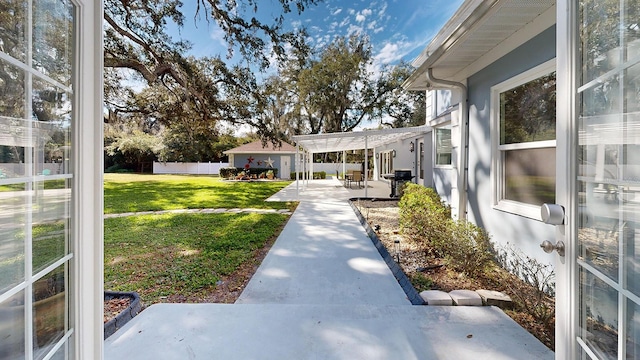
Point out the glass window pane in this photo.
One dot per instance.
(12, 91)
(50, 229)
(598, 231)
(443, 101)
(12, 231)
(602, 99)
(41, 138)
(632, 29)
(633, 330)
(443, 146)
(632, 87)
(530, 175)
(599, 315)
(528, 111)
(12, 28)
(600, 37)
(56, 149)
(50, 103)
(12, 327)
(49, 308)
(61, 353)
(53, 38)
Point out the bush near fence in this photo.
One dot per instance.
(231, 172)
(316, 175)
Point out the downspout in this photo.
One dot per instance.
(463, 181)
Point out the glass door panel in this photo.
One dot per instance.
(36, 192)
(608, 183)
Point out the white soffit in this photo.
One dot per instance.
(476, 30)
(355, 140)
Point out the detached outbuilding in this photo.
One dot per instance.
(257, 155)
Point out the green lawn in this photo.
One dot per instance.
(182, 255)
(133, 193)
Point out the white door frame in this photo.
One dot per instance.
(88, 298)
(566, 149)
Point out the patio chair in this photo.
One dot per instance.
(348, 177)
(357, 177)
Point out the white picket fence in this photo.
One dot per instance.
(214, 168)
(188, 168)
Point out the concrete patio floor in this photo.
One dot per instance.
(323, 292)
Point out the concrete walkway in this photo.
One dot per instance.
(322, 292)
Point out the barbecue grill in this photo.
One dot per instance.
(398, 179)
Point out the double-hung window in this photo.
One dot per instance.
(524, 141)
(443, 145)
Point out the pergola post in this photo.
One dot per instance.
(366, 165)
(344, 163)
(297, 172)
(311, 155)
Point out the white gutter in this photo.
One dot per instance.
(463, 162)
(460, 24)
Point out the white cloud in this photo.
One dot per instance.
(336, 12)
(391, 52)
(351, 11)
(217, 34)
(354, 29)
(362, 15)
(383, 10)
(344, 22)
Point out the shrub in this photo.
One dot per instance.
(316, 175)
(420, 281)
(117, 168)
(228, 172)
(425, 217)
(469, 248)
(539, 302)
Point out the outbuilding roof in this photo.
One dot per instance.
(257, 147)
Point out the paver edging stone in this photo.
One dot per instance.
(465, 298)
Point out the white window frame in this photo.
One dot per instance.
(497, 162)
(435, 145)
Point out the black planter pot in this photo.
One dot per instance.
(135, 306)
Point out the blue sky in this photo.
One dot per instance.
(398, 29)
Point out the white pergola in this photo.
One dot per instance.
(354, 140)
